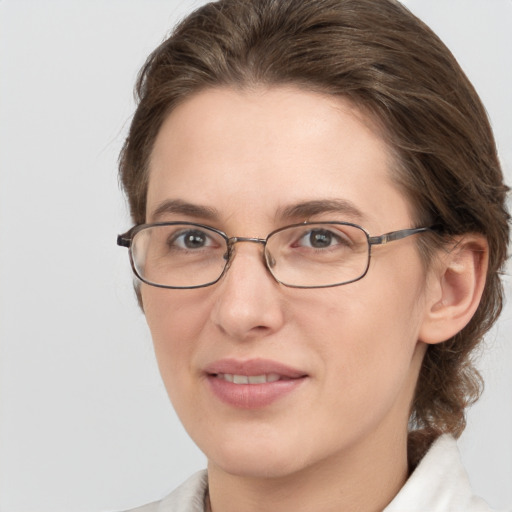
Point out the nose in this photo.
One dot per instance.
(249, 302)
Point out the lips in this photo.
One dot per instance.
(252, 384)
(249, 379)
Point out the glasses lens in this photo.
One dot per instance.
(316, 254)
(178, 255)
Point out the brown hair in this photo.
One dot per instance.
(393, 67)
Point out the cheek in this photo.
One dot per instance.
(175, 319)
(367, 350)
(366, 332)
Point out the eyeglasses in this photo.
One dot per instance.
(307, 255)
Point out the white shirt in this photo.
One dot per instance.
(438, 484)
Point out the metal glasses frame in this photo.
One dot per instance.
(125, 240)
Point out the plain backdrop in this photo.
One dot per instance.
(85, 422)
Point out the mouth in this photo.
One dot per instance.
(250, 379)
(252, 384)
(252, 371)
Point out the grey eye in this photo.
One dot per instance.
(191, 239)
(320, 238)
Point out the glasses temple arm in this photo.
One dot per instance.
(395, 235)
(123, 240)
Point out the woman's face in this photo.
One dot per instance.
(347, 357)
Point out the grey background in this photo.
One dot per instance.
(85, 422)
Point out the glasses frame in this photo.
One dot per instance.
(125, 240)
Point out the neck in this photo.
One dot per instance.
(362, 479)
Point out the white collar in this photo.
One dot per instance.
(438, 484)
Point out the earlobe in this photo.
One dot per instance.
(456, 285)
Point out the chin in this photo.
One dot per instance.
(255, 457)
(259, 466)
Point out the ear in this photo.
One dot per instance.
(455, 285)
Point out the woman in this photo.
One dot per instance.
(319, 226)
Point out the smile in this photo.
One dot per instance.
(252, 384)
(250, 379)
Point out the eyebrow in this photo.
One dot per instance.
(177, 206)
(299, 211)
(307, 209)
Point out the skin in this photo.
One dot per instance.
(337, 442)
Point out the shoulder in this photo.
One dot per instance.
(188, 497)
(438, 484)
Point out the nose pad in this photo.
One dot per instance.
(270, 260)
(229, 256)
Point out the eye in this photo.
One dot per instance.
(191, 239)
(321, 238)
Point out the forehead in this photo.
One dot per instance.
(268, 148)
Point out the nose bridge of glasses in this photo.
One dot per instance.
(236, 239)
